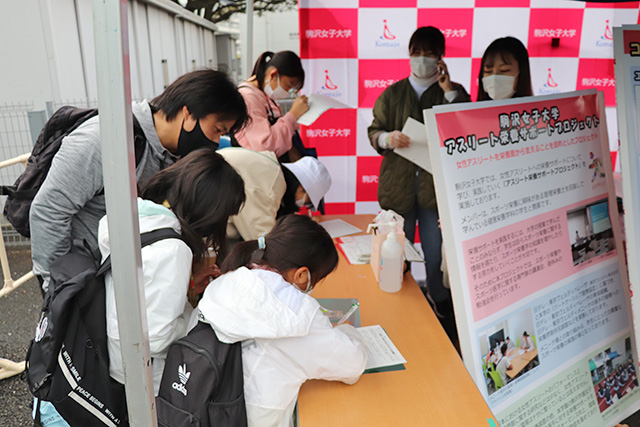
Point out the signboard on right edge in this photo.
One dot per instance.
(532, 242)
(626, 45)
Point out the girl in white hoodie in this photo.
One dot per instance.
(262, 300)
(195, 197)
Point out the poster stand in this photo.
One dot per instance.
(532, 239)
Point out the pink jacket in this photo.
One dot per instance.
(260, 135)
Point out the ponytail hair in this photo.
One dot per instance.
(295, 241)
(203, 190)
(286, 62)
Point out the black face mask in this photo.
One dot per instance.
(190, 141)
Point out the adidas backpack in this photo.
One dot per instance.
(64, 121)
(202, 382)
(68, 360)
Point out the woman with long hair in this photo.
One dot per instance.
(504, 71)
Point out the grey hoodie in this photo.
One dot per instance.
(68, 206)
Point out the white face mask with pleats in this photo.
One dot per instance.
(499, 86)
(423, 67)
(277, 93)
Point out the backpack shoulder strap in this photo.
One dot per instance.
(146, 239)
(63, 121)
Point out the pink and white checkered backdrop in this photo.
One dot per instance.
(353, 49)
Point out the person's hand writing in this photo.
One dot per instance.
(444, 80)
(398, 139)
(300, 106)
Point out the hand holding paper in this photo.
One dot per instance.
(318, 104)
(418, 151)
(398, 139)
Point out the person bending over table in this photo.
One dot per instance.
(262, 300)
(273, 189)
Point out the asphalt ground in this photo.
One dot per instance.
(18, 317)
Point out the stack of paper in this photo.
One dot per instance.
(338, 228)
(357, 249)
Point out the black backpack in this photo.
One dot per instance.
(64, 121)
(202, 382)
(68, 360)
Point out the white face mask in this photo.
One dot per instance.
(423, 67)
(300, 202)
(499, 86)
(277, 93)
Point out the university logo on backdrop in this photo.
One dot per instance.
(367, 178)
(387, 37)
(598, 41)
(455, 24)
(333, 134)
(385, 33)
(335, 78)
(553, 75)
(606, 39)
(549, 86)
(328, 33)
(563, 25)
(598, 73)
(328, 87)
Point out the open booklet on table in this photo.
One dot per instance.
(382, 354)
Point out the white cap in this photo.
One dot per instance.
(313, 176)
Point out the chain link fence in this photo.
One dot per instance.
(15, 139)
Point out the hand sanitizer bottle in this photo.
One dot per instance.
(390, 277)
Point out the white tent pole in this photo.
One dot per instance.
(248, 55)
(118, 167)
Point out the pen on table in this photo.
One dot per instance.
(348, 314)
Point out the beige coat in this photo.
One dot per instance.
(264, 186)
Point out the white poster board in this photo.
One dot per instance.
(530, 227)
